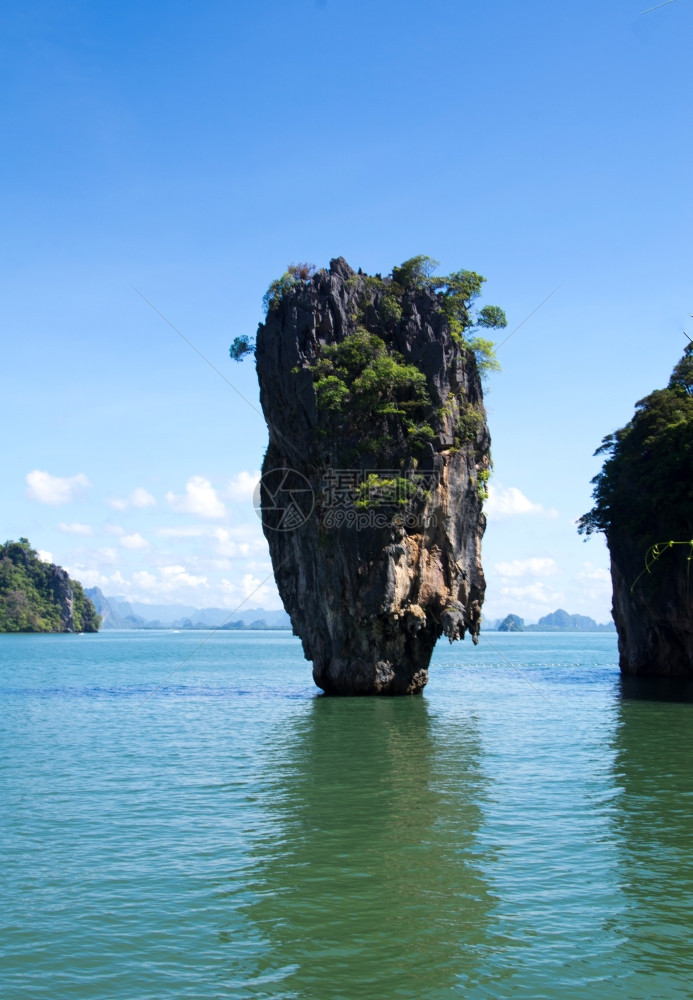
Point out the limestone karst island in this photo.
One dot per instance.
(375, 476)
(644, 505)
(36, 596)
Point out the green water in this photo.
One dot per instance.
(522, 830)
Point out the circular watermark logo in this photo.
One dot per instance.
(283, 499)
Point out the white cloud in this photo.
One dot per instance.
(243, 485)
(181, 582)
(134, 541)
(596, 573)
(251, 584)
(138, 498)
(76, 529)
(511, 502)
(595, 584)
(235, 547)
(107, 555)
(237, 542)
(44, 556)
(200, 498)
(55, 490)
(527, 567)
(90, 576)
(144, 579)
(537, 594)
(192, 531)
(179, 574)
(251, 591)
(114, 529)
(172, 581)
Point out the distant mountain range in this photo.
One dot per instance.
(557, 621)
(118, 612)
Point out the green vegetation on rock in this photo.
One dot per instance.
(40, 597)
(294, 275)
(240, 347)
(645, 488)
(482, 478)
(457, 293)
(468, 423)
(362, 372)
(363, 375)
(382, 298)
(376, 491)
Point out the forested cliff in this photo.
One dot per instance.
(40, 597)
(644, 505)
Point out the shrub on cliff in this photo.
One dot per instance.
(457, 291)
(240, 347)
(364, 376)
(361, 371)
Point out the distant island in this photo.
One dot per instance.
(36, 596)
(119, 613)
(557, 621)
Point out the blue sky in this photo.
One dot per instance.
(191, 151)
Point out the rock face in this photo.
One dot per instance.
(63, 595)
(653, 615)
(372, 503)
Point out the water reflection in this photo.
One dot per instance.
(654, 766)
(678, 689)
(369, 881)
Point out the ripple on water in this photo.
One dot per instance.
(521, 830)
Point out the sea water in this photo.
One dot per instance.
(182, 815)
